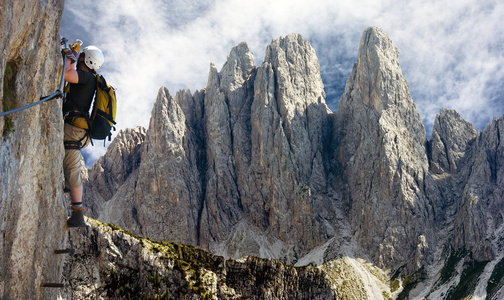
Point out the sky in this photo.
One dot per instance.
(451, 52)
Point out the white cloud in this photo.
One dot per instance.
(446, 57)
(451, 52)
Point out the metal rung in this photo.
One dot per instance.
(53, 285)
(64, 251)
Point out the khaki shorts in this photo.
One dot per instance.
(73, 161)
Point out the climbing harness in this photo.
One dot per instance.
(57, 94)
(74, 145)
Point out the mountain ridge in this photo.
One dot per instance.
(252, 165)
(319, 167)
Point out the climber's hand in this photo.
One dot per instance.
(72, 55)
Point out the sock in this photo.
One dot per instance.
(77, 204)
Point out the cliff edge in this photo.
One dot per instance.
(32, 211)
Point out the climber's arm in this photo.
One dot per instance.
(70, 72)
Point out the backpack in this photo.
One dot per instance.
(102, 119)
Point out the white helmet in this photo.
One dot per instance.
(93, 57)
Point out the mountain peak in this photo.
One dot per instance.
(450, 137)
(376, 78)
(293, 58)
(381, 139)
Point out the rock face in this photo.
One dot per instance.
(113, 177)
(106, 266)
(450, 137)
(168, 191)
(479, 223)
(110, 263)
(380, 146)
(32, 212)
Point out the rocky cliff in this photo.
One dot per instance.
(32, 211)
(256, 164)
(381, 157)
(111, 263)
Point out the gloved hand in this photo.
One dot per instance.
(72, 55)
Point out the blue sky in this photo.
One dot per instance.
(451, 52)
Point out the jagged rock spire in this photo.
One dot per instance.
(264, 147)
(381, 151)
(479, 221)
(450, 136)
(168, 189)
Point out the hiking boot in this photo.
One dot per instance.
(77, 217)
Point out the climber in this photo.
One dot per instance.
(76, 107)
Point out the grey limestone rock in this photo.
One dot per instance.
(111, 171)
(168, 189)
(113, 264)
(380, 148)
(32, 208)
(479, 221)
(450, 136)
